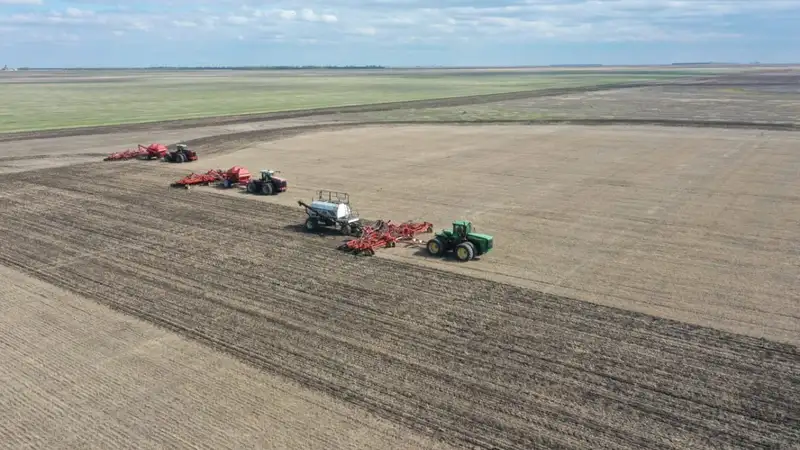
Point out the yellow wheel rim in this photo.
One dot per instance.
(462, 253)
(433, 247)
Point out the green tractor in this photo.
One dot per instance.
(465, 244)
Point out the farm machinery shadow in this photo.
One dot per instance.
(422, 252)
(320, 232)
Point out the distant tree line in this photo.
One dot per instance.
(174, 68)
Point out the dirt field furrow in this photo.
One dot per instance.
(81, 376)
(469, 361)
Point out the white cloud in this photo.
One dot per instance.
(287, 14)
(366, 31)
(75, 12)
(310, 16)
(404, 21)
(184, 23)
(237, 20)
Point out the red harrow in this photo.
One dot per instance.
(385, 235)
(235, 175)
(157, 151)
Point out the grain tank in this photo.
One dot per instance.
(331, 209)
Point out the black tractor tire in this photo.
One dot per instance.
(267, 189)
(182, 157)
(311, 225)
(252, 187)
(347, 230)
(464, 251)
(435, 247)
(475, 251)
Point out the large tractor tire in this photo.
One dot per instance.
(347, 230)
(464, 252)
(252, 188)
(267, 189)
(435, 247)
(311, 225)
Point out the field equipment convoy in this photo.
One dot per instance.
(268, 184)
(332, 209)
(462, 241)
(152, 151)
(181, 154)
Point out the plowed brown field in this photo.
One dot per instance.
(470, 361)
(78, 375)
(312, 348)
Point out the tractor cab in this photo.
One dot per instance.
(181, 148)
(462, 228)
(267, 175)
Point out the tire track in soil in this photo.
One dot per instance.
(471, 361)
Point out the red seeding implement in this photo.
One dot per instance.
(156, 151)
(385, 234)
(236, 175)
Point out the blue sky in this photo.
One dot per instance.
(67, 33)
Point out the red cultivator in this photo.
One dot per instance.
(235, 175)
(157, 151)
(385, 234)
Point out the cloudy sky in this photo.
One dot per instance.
(63, 33)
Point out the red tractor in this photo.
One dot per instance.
(268, 184)
(181, 154)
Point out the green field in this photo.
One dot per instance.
(75, 101)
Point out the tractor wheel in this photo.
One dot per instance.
(251, 187)
(475, 251)
(311, 224)
(182, 157)
(435, 247)
(464, 252)
(347, 230)
(267, 189)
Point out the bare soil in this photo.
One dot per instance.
(468, 361)
(79, 375)
(697, 226)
